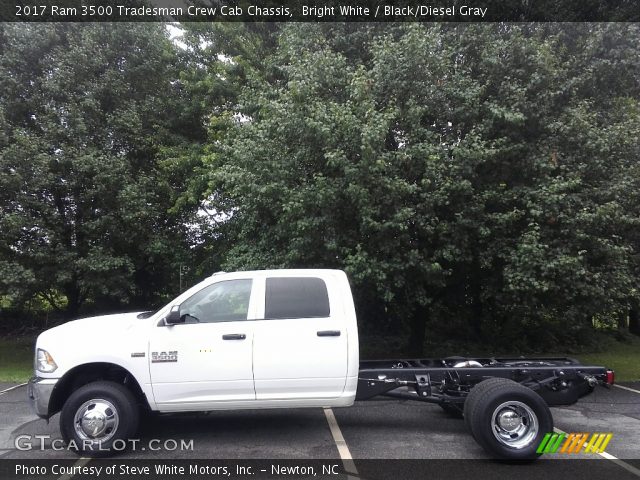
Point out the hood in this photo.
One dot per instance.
(108, 325)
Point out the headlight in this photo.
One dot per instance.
(44, 361)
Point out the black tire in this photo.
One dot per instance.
(115, 412)
(477, 392)
(517, 404)
(452, 409)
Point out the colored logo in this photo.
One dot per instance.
(574, 443)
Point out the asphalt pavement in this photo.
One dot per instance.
(383, 429)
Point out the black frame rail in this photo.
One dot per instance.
(559, 380)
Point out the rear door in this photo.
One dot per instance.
(300, 342)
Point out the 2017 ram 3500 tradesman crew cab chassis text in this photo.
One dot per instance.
(272, 339)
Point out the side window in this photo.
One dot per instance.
(296, 297)
(226, 301)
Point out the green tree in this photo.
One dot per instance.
(469, 178)
(89, 124)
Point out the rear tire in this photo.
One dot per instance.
(476, 393)
(99, 418)
(507, 419)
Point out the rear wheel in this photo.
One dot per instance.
(507, 419)
(99, 418)
(476, 393)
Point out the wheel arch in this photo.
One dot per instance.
(90, 372)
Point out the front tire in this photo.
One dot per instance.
(507, 419)
(99, 418)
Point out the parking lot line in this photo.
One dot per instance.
(621, 463)
(12, 388)
(608, 456)
(338, 438)
(81, 462)
(627, 388)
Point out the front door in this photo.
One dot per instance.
(207, 359)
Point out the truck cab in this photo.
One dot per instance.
(254, 339)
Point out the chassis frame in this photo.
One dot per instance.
(448, 381)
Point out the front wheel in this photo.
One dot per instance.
(508, 420)
(99, 418)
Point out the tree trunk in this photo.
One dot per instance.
(622, 321)
(634, 321)
(418, 331)
(73, 302)
(476, 319)
(475, 281)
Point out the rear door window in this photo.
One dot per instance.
(296, 297)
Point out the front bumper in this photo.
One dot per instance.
(39, 392)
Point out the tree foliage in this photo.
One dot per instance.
(478, 182)
(471, 179)
(86, 174)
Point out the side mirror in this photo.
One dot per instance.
(174, 316)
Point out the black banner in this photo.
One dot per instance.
(320, 10)
(86, 469)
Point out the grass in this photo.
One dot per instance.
(16, 359)
(623, 357)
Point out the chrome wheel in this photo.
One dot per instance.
(514, 424)
(96, 420)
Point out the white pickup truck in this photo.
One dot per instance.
(273, 339)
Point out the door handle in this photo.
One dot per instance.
(329, 333)
(234, 336)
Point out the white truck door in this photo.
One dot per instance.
(300, 345)
(206, 359)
